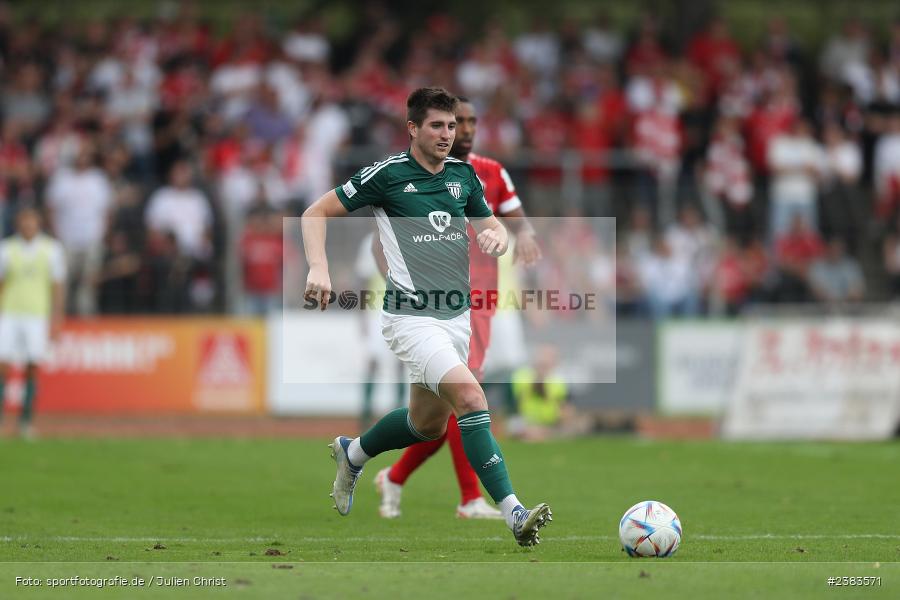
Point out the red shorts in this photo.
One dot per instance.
(480, 340)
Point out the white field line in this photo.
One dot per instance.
(314, 540)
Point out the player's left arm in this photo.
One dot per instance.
(58, 290)
(527, 249)
(491, 235)
(59, 309)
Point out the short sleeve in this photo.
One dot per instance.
(509, 200)
(365, 188)
(476, 205)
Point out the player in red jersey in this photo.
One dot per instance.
(500, 195)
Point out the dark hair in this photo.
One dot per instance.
(422, 99)
(463, 100)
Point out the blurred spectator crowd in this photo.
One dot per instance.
(164, 154)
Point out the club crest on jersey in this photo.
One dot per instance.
(440, 220)
(455, 189)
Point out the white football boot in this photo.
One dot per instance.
(346, 478)
(526, 524)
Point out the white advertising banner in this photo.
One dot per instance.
(817, 379)
(698, 362)
(301, 343)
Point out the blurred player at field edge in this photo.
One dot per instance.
(501, 197)
(32, 301)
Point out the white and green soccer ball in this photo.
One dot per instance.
(650, 528)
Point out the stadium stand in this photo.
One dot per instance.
(710, 154)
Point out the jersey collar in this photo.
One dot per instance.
(413, 160)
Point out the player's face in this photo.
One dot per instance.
(28, 224)
(466, 122)
(435, 137)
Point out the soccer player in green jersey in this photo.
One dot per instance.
(32, 276)
(421, 199)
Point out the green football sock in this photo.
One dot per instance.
(393, 431)
(484, 454)
(28, 400)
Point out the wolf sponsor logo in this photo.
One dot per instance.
(440, 220)
(428, 237)
(450, 237)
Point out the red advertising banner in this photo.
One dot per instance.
(141, 366)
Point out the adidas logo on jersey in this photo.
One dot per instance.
(410, 188)
(494, 460)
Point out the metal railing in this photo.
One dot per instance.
(570, 162)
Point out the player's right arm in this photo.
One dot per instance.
(313, 225)
(58, 290)
(365, 188)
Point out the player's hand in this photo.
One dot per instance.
(318, 286)
(527, 250)
(490, 242)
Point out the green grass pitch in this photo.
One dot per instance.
(760, 521)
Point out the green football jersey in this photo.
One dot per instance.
(421, 220)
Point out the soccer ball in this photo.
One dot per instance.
(650, 528)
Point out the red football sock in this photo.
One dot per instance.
(414, 456)
(465, 474)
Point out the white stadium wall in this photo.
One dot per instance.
(311, 373)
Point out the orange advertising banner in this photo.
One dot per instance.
(148, 365)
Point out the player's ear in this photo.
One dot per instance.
(411, 128)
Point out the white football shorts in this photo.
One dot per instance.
(23, 338)
(376, 349)
(428, 347)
